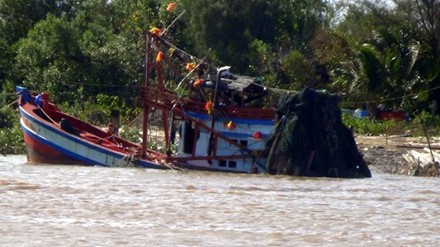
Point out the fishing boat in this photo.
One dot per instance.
(222, 122)
(218, 116)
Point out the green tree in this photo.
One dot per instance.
(424, 18)
(298, 21)
(333, 50)
(6, 58)
(225, 28)
(87, 52)
(297, 68)
(297, 24)
(263, 62)
(17, 17)
(389, 64)
(49, 58)
(238, 32)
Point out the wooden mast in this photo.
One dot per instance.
(146, 109)
(212, 139)
(164, 113)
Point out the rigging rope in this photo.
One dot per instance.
(10, 104)
(393, 98)
(126, 161)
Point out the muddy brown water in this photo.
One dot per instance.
(93, 206)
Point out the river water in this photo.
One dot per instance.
(42, 205)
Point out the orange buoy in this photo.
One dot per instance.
(190, 66)
(159, 57)
(198, 82)
(230, 125)
(209, 107)
(155, 31)
(171, 7)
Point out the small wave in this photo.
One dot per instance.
(17, 185)
(190, 187)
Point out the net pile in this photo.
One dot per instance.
(311, 140)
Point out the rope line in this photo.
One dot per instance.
(10, 104)
(393, 98)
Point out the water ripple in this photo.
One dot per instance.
(93, 206)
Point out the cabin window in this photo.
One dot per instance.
(244, 143)
(232, 164)
(222, 163)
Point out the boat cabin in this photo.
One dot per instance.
(238, 117)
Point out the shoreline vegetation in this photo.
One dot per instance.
(387, 146)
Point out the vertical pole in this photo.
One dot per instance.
(146, 110)
(115, 121)
(211, 143)
(195, 137)
(164, 114)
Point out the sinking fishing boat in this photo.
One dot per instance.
(54, 137)
(220, 126)
(222, 122)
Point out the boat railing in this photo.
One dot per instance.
(166, 100)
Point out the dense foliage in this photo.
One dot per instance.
(371, 51)
(368, 51)
(11, 136)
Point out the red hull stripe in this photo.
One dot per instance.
(65, 155)
(41, 153)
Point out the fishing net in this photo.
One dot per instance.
(311, 140)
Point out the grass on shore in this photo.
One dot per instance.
(414, 127)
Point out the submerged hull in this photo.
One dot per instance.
(47, 143)
(40, 151)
